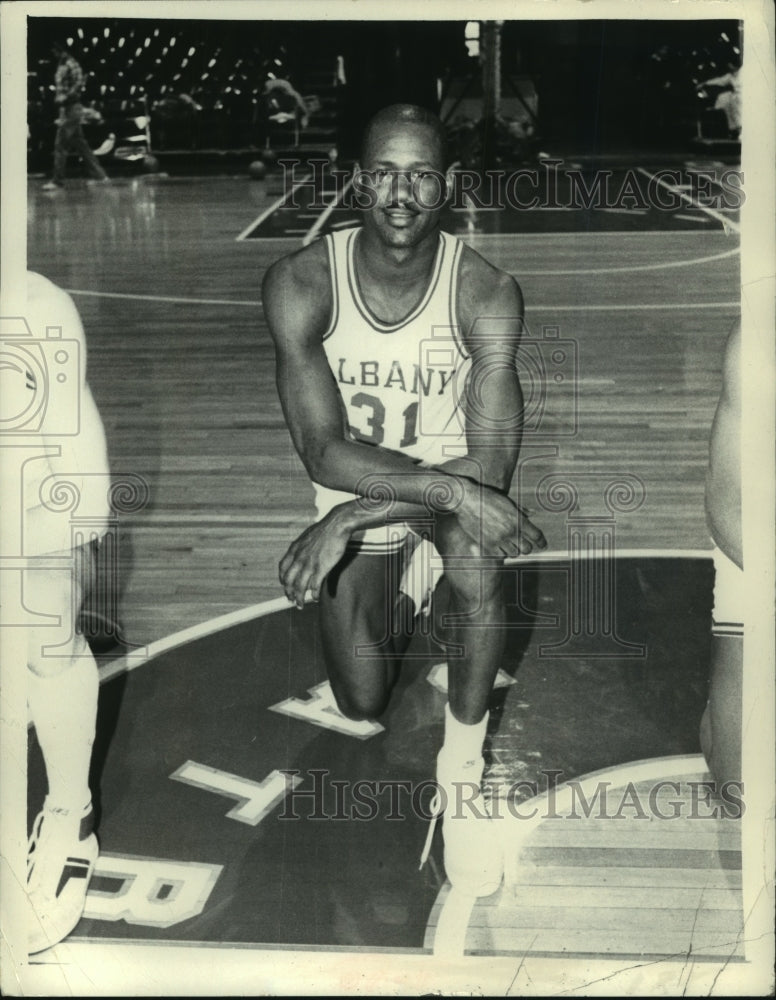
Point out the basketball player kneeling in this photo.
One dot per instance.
(396, 368)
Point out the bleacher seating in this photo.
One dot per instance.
(202, 90)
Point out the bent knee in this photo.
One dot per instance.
(474, 580)
(47, 659)
(458, 547)
(360, 706)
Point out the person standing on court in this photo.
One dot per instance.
(728, 98)
(279, 103)
(396, 369)
(62, 677)
(69, 83)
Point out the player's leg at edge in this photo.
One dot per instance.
(62, 696)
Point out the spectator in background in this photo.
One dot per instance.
(728, 100)
(283, 99)
(176, 120)
(69, 82)
(280, 103)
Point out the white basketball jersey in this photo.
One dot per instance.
(402, 384)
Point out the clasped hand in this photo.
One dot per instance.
(493, 524)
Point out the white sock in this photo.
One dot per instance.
(463, 742)
(64, 712)
(418, 581)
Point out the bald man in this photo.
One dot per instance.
(379, 407)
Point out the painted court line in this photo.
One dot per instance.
(144, 654)
(286, 238)
(662, 266)
(597, 234)
(175, 965)
(455, 914)
(325, 215)
(160, 298)
(647, 306)
(727, 224)
(278, 203)
(201, 520)
(579, 307)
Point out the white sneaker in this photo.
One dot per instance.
(473, 855)
(60, 860)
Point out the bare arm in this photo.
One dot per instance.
(297, 314)
(492, 320)
(494, 411)
(723, 478)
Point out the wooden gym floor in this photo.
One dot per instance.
(181, 366)
(633, 313)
